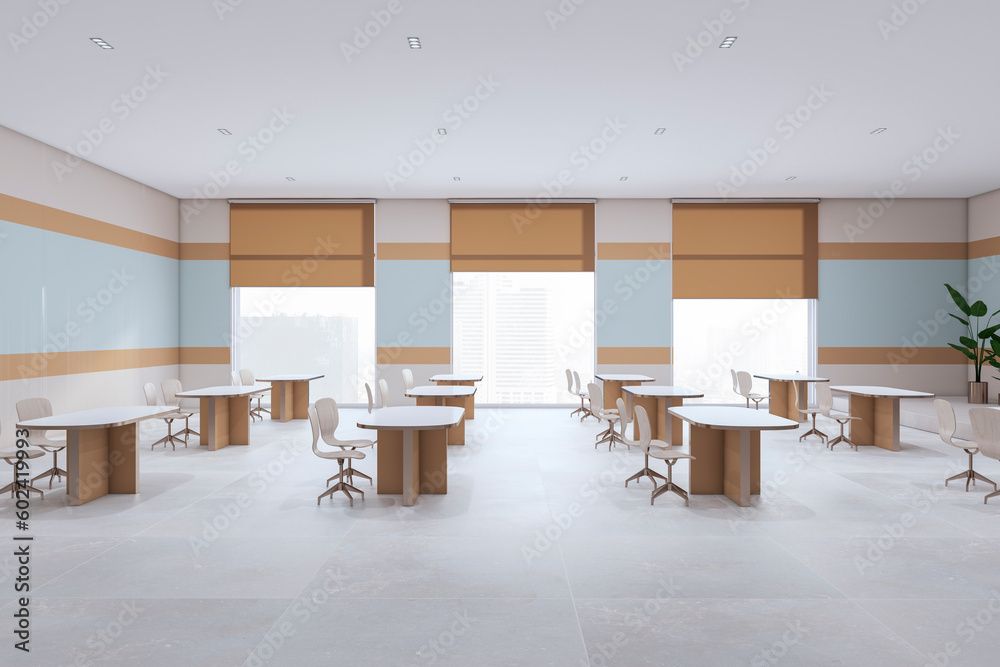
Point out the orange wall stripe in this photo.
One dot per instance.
(51, 364)
(633, 250)
(204, 251)
(204, 355)
(889, 355)
(413, 355)
(413, 251)
(633, 355)
(984, 248)
(30, 214)
(894, 250)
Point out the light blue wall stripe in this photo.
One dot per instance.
(112, 298)
(413, 297)
(635, 295)
(206, 308)
(882, 303)
(984, 280)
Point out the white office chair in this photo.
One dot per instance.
(824, 401)
(329, 420)
(986, 433)
(36, 408)
(809, 412)
(170, 389)
(237, 380)
(745, 385)
(371, 401)
(407, 380)
(339, 456)
(574, 389)
(583, 395)
(149, 389)
(646, 470)
(596, 398)
(947, 425)
(659, 450)
(383, 393)
(736, 385)
(11, 457)
(246, 375)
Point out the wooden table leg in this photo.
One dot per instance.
(411, 468)
(742, 465)
(283, 396)
(707, 468)
(675, 434)
(863, 428)
(886, 424)
(300, 400)
(101, 461)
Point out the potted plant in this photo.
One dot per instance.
(973, 345)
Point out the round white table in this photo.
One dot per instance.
(657, 399)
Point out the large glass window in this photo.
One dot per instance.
(328, 330)
(522, 330)
(712, 336)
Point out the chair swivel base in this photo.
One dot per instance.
(841, 438)
(646, 472)
(669, 486)
(348, 475)
(971, 475)
(13, 486)
(814, 431)
(51, 473)
(611, 438)
(341, 486)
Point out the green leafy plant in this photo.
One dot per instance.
(973, 345)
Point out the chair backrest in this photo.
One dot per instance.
(744, 383)
(371, 401)
(246, 375)
(237, 380)
(596, 398)
(170, 388)
(824, 398)
(314, 423)
(149, 389)
(986, 430)
(645, 432)
(33, 408)
(569, 381)
(383, 392)
(947, 425)
(736, 381)
(328, 419)
(576, 381)
(407, 379)
(625, 420)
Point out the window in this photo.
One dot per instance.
(712, 336)
(522, 330)
(328, 330)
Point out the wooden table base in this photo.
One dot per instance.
(878, 424)
(225, 421)
(726, 462)
(469, 401)
(782, 401)
(450, 436)
(411, 463)
(613, 391)
(290, 400)
(101, 461)
(656, 407)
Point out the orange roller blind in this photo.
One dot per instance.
(302, 245)
(522, 237)
(745, 251)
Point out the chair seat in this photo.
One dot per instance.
(810, 411)
(668, 454)
(342, 455)
(837, 416)
(356, 443)
(11, 455)
(56, 447)
(757, 396)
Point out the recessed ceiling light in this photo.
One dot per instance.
(660, 130)
(878, 130)
(414, 42)
(289, 178)
(727, 43)
(791, 178)
(456, 178)
(101, 43)
(623, 178)
(225, 131)
(442, 130)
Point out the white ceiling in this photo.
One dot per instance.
(558, 88)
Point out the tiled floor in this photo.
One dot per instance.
(538, 555)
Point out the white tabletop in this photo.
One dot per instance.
(413, 417)
(98, 418)
(457, 377)
(290, 378)
(726, 418)
(881, 392)
(662, 391)
(624, 377)
(224, 392)
(429, 390)
(790, 377)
